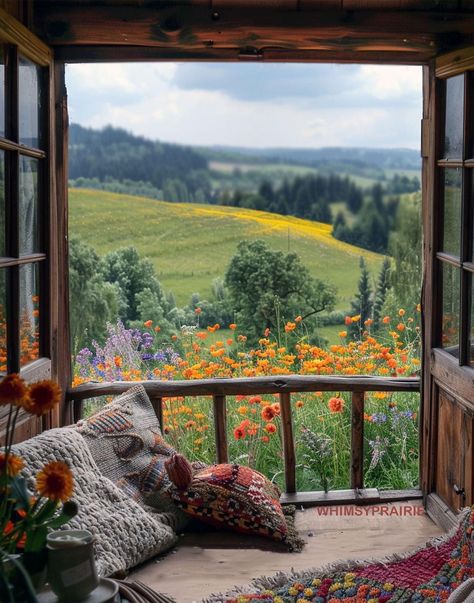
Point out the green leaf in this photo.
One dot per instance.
(69, 510)
(45, 512)
(36, 538)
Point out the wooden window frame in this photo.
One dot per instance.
(464, 262)
(18, 42)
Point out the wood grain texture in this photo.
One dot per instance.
(157, 404)
(450, 452)
(220, 426)
(335, 497)
(60, 337)
(289, 455)
(456, 380)
(455, 62)
(357, 28)
(29, 45)
(251, 385)
(357, 440)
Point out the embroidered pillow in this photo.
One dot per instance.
(234, 497)
(125, 440)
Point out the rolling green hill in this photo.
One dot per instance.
(191, 244)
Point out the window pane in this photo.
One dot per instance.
(450, 318)
(471, 336)
(453, 134)
(29, 223)
(2, 204)
(3, 322)
(451, 240)
(29, 313)
(29, 103)
(2, 93)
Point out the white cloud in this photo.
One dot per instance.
(311, 106)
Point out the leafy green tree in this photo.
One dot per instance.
(141, 295)
(362, 304)
(268, 288)
(405, 247)
(93, 301)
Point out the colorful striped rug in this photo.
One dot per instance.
(429, 574)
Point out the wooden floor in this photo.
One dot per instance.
(205, 563)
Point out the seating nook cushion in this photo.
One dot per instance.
(126, 442)
(234, 497)
(125, 534)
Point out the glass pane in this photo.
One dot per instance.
(29, 103)
(471, 336)
(29, 223)
(3, 322)
(450, 320)
(453, 134)
(2, 93)
(29, 313)
(2, 204)
(451, 241)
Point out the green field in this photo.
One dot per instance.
(191, 244)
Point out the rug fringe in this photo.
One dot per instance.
(341, 565)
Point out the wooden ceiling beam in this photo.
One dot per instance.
(195, 29)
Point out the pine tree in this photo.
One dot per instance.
(383, 284)
(362, 304)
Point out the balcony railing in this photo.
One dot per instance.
(284, 386)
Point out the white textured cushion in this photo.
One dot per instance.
(126, 534)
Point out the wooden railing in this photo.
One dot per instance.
(284, 386)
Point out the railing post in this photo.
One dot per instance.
(157, 404)
(357, 440)
(288, 443)
(77, 409)
(220, 424)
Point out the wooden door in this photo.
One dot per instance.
(33, 325)
(448, 302)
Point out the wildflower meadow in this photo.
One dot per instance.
(321, 419)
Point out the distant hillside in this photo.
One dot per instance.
(191, 244)
(114, 154)
(367, 162)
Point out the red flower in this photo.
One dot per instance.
(336, 405)
(268, 412)
(239, 433)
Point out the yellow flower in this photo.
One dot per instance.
(387, 586)
(308, 592)
(316, 582)
(293, 591)
(55, 481)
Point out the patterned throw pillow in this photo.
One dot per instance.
(125, 440)
(234, 497)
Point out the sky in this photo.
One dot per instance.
(252, 104)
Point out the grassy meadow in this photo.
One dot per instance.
(191, 244)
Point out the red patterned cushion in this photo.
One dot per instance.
(234, 497)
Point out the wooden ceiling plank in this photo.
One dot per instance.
(194, 27)
(97, 54)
